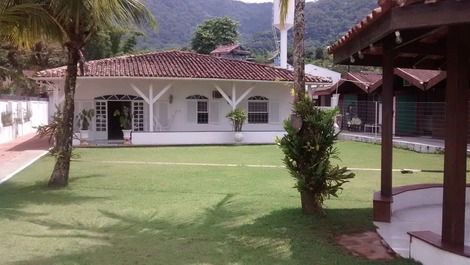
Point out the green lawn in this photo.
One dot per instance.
(131, 213)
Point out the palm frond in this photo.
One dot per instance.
(284, 10)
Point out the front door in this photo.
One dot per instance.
(114, 126)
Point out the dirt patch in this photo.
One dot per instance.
(367, 245)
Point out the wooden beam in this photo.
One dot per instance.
(224, 95)
(244, 95)
(387, 123)
(455, 160)
(159, 95)
(141, 94)
(410, 17)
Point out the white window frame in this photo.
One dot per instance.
(258, 99)
(197, 99)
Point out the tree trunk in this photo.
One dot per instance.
(311, 204)
(60, 175)
(299, 50)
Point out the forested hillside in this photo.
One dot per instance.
(177, 19)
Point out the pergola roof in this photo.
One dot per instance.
(184, 65)
(415, 29)
(370, 81)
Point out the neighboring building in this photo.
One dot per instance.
(180, 97)
(419, 97)
(316, 70)
(231, 51)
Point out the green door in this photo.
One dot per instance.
(406, 114)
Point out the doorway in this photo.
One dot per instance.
(114, 126)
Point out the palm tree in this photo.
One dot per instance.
(299, 50)
(79, 21)
(24, 22)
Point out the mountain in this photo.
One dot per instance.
(177, 20)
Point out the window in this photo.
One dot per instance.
(202, 112)
(202, 108)
(138, 113)
(101, 116)
(258, 110)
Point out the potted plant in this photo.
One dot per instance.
(125, 122)
(237, 117)
(308, 153)
(83, 121)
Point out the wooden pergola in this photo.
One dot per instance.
(425, 34)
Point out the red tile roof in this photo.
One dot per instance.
(424, 79)
(384, 7)
(177, 64)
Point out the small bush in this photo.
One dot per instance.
(308, 152)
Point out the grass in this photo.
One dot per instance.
(124, 213)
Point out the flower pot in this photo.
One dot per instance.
(84, 136)
(238, 137)
(127, 136)
(309, 205)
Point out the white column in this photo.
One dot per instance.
(234, 96)
(151, 102)
(283, 52)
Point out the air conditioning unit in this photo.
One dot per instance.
(216, 94)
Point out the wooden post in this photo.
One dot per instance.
(382, 204)
(455, 161)
(387, 124)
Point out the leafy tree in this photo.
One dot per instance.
(79, 20)
(213, 33)
(109, 43)
(319, 53)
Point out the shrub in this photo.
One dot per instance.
(238, 117)
(307, 155)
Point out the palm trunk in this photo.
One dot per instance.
(299, 62)
(60, 175)
(299, 50)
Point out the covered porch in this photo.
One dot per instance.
(409, 34)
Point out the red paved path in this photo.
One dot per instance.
(18, 153)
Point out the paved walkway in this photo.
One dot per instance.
(20, 153)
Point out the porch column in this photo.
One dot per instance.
(382, 207)
(455, 161)
(150, 100)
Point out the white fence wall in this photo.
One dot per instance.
(25, 117)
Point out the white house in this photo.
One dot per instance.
(179, 97)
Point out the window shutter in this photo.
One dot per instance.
(274, 112)
(191, 111)
(214, 112)
(163, 114)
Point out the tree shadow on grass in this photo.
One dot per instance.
(283, 236)
(15, 196)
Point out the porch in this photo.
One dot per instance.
(421, 144)
(189, 138)
(415, 209)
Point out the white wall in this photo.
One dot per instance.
(278, 94)
(20, 126)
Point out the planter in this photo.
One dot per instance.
(238, 137)
(309, 206)
(84, 136)
(127, 136)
